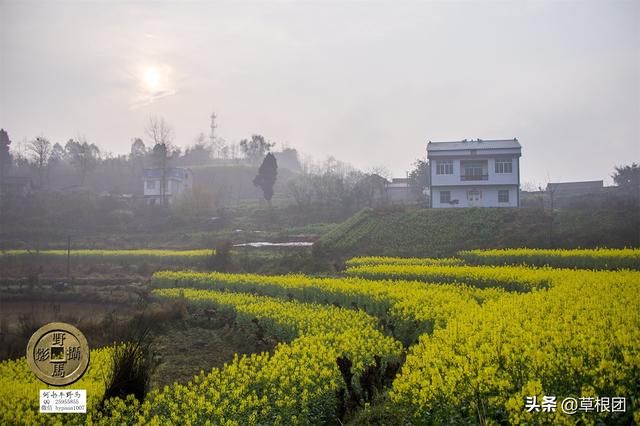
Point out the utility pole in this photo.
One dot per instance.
(68, 257)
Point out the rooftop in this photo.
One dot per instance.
(474, 144)
(587, 184)
(170, 172)
(582, 182)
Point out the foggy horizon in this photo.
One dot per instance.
(367, 83)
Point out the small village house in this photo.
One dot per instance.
(178, 181)
(575, 188)
(475, 173)
(399, 191)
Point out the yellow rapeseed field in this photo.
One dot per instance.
(480, 341)
(297, 384)
(20, 390)
(601, 258)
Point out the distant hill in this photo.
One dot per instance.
(439, 232)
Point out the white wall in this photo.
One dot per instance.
(170, 188)
(503, 178)
(489, 196)
(174, 187)
(155, 190)
(493, 178)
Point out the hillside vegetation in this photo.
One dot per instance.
(438, 233)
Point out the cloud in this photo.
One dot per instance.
(145, 100)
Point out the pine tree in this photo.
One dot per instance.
(267, 174)
(5, 155)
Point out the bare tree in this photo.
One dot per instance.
(159, 131)
(530, 186)
(40, 152)
(381, 171)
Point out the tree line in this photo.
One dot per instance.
(40, 157)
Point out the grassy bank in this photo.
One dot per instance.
(439, 233)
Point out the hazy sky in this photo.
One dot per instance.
(368, 82)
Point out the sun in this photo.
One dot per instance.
(152, 78)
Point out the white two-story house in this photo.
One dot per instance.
(177, 182)
(475, 173)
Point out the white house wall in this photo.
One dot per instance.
(493, 177)
(489, 196)
(173, 187)
(155, 190)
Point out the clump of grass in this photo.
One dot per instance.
(131, 369)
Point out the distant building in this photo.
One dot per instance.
(288, 159)
(475, 173)
(20, 186)
(574, 188)
(178, 181)
(399, 191)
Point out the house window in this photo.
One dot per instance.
(445, 197)
(444, 167)
(473, 170)
(503, 196)
(151, 184)
(504, 166)
(474, 195)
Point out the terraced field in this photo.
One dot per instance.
(476, 345)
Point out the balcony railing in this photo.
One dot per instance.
(474, 177)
